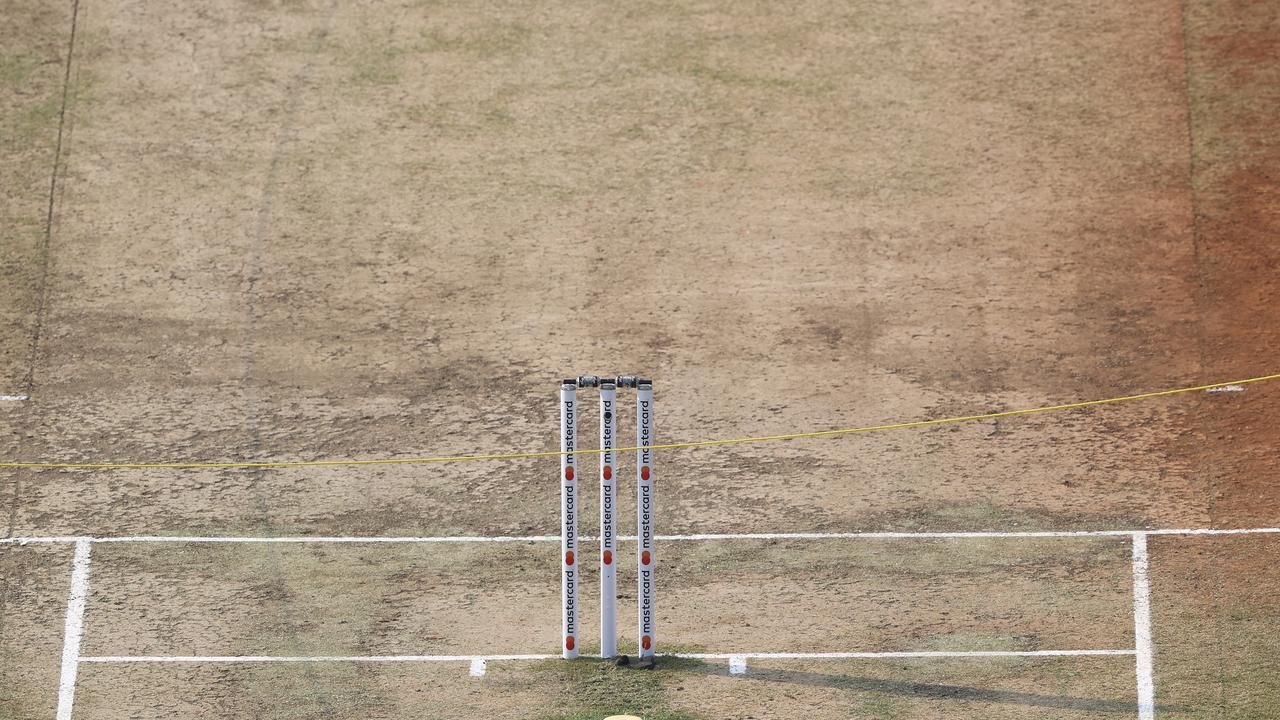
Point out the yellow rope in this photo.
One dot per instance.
(668, 446)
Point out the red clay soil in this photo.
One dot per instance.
(1212, 599)
(1233, 49)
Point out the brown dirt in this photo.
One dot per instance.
(33, 47)
(33, 604)
(1234, 75)
(308, 229)
(1213, 598)
(290, 259)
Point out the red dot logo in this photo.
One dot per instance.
(608, 557)
(569, 643)
(645, 642)
(644, 473)
(568, 558)
(608, 473)
(568, 473)
(644, 558)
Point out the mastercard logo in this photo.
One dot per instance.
(644, 473)
(645, 642)
(608, 557)
(568, 473)
(608, 473)
(644, 557)
(568, 558)
(569, 643)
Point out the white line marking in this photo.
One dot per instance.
(478, 667)
(303, 658)
(1226, 388)
(631, 538)
(13, 398)
(958, 535)
(737, 665)
(322, 539)
(74, 629)
(694, 656)
(42, 540)
(1142, 629)
(890, 535)
(1239, 531)
(899, 654)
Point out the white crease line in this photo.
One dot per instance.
(631, 538)
(303, 658)
(496, 658)
(956, 535)
(74, 629)
(899, 654)
(1142, 629)
(321, 539)
(890, 535)
(13, 398)
(1240, 531)
(42, 540)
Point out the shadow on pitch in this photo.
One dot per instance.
(918, 689)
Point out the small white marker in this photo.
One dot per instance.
(478, 667)
(1227, 388)
(737, 665)
(12, 398)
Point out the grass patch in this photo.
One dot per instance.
(484, 42)
(726, 76)
(377, 61)
(877, 708)
(376, 65)
(33, 103)
(15, 69)
(595, 689)
(35, 124)
(486, 116)
(836, 560)
(308, 691)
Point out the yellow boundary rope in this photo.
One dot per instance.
(668, 446)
